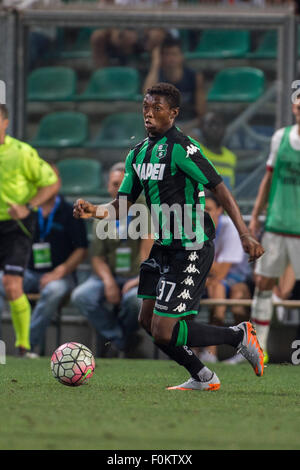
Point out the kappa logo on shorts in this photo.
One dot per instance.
(180, 308)
(188, 281)
(193, 256)
(191, 269)
(191, 149)
(185, 294)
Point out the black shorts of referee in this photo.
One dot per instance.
(15, 244)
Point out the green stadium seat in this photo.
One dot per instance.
(112, 83)
(120, 131)
(81, 48)
(52, 84)
(62, 129)
(267, 48)
(237, 84)
(221, 44)
(81, 176)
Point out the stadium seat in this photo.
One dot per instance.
(62, 129)
(267, 48)
(112, 83)
(52, 84)
(120, 130)
(221, 44)
(237, 84)
(80, 49)
(80, 176)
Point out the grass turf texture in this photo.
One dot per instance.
(125, 406)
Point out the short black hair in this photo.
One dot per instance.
(210, 195)
(170, 42)
(169, 91)
(4, 111)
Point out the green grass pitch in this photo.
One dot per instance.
(125, 406)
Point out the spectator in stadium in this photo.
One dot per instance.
(59, 246)
(119, 46)
(108, 298)
(210, 133)
(167, 65)
(26, 182)
(279, 192)
(229, 274)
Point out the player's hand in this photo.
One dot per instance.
(17, 211)
(254, 226)
(83, 209)
(252, 247)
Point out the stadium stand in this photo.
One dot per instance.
(81, 177)
(267, 48)
(119, 130)
(237, 84)
(52, 84)
(78, 49)
(112, 83)
(221, 44)
(62, 129)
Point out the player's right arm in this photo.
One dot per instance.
(130, 189)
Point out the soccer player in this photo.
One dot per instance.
(279, 191)
(26, 181)
(171, 168)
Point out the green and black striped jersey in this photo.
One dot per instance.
(172, 171)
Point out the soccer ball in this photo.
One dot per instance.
(72, 364)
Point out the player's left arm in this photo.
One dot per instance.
(228, 202)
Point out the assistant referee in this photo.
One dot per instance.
(26, 181)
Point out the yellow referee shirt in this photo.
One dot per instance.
(22, 173)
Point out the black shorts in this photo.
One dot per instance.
(15, 245)
(176, 279)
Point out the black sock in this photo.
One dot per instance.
(184, 356)
(194, 334)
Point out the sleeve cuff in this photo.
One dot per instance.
(213, 184)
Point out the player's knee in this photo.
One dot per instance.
(12, 286)
(161, 336)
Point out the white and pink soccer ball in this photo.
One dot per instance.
(72, 364)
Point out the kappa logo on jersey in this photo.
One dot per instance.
(150, 171)
(191, 149)
(161, 150)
